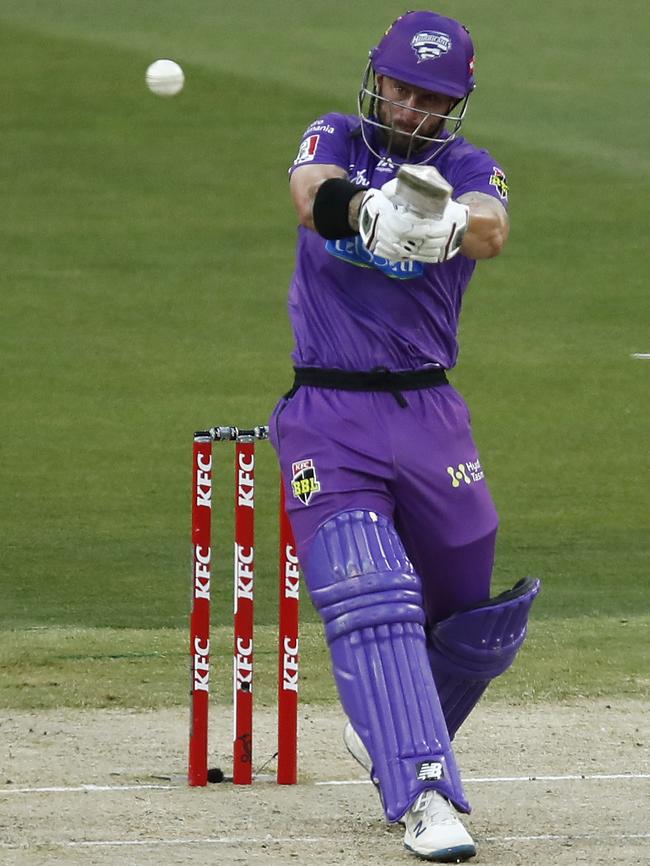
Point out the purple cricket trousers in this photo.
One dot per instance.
(416, 465)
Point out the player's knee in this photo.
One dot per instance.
(481, 643)
(470, 648)
(359, 575)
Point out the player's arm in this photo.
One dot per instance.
(476, 225)
(488, 226)
(330, 204)
(305, 182)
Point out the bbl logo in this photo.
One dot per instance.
(303, 481)
(498, 180)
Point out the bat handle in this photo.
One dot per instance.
(423, 190)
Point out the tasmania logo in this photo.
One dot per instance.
(303, 480)
(307, 150)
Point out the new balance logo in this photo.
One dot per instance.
(430, 771)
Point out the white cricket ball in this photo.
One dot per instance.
(165, 78)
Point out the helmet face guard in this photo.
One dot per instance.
(428, 51)
(378, 134)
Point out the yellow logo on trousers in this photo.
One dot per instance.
(465, 472)
(458, 475)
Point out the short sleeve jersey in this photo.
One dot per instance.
(352, 310)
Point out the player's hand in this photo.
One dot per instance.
(388, 229)
(444, 234)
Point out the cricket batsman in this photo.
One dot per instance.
(394, 523)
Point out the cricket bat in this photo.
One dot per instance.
(423, 190)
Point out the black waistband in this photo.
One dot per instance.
(373, 380)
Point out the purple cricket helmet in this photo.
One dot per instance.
(429, 51)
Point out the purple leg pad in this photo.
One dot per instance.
(369, 597)
(469, 649)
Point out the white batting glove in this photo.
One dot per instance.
(388, 229)
(444, 233)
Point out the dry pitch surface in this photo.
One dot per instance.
(74, 789)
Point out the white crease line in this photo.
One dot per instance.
(279, 840)
(287, 840)
(566, 778)
(565, 837)
(580, 777)
(641, 356)
(345, 782)
(86, 789)
(220, 840)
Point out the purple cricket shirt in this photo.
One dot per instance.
(352, 310)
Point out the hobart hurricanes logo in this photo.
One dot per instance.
(429, 44)
(304, 482)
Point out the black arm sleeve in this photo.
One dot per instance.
(330, 211)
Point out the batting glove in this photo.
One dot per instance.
(388, 229)
(444, 234)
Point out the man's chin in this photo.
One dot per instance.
(401, 143)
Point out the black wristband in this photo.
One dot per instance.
(331, 208)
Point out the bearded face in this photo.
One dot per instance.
(410, 116)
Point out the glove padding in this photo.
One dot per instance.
(446, 235)
(390, 230)
(437, 239)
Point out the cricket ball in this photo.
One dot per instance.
(165, 78)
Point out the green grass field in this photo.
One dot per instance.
(147, 246)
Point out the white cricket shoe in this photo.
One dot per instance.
(434, 830)
(354, 745)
